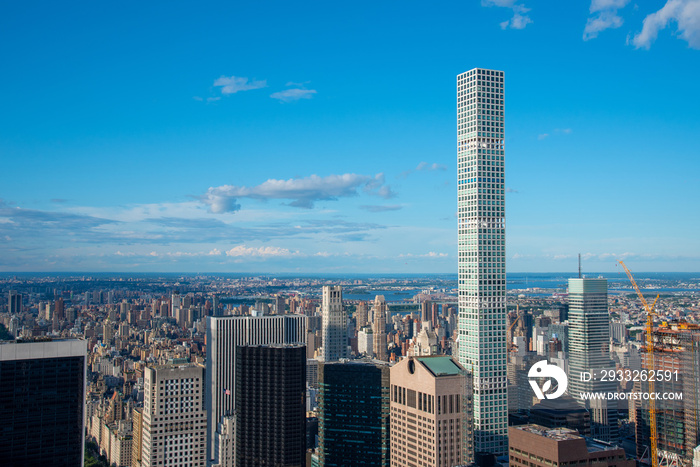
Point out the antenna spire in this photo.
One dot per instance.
(579, 265)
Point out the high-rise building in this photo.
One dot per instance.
(353, 414)
(589, 351)
(481, 250)
(174, 423)
(335, 325)
(379, 315)
(42, 402)
(224, 334)
(14, 302)
(361, 316)
(270, 406)
(430, 408)
(677, 358)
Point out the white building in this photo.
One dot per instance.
(481, 248)
(224, 334)
(335, 325)
(174, 425)
(365, 343)
(226, 442)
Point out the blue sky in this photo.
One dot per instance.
(320, 136)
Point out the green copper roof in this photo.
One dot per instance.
(440, 366)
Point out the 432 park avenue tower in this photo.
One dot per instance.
(481, 247)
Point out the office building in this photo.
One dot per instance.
(430, 405)
(174, 422)
(538, 446)
(353, 414)
(14, 302)
(42, 402)
(270, 406)
(379, 316)
(589, 351)
(481, 250)
(224, 334)
(335, 325)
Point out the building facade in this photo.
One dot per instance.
(379, 319)
(353, 414)
(174, 421)
(538, 446)
(677, 354)
(429, 407)
(481, 250)
(270, 406)
(589, 351)
(335, 325)
(224, 334)
(42, 403)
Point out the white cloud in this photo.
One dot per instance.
(214, 252)
(260, 252)
(290, 95)
(606, 17)
(685, 13)
(565, 131)
(303, 192)
(424, 166)
(430, 254)
(234, 84)
(519, 20)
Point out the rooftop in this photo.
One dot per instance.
(441, 365)
(558, 434)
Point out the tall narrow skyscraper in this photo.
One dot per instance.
(335, 325)
(481, 250)
(379, 328)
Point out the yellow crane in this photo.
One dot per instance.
(653, 438)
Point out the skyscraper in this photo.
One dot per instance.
(354, 414)
(481, 250)
(42, 402)
(224, 334)
(174, 424)
(335, 324)
(379, 328)
(14, 302)
(270, 406)
(429, 413)
(589, 351)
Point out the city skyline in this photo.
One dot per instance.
(179, 139)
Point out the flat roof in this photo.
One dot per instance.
(28, 350)
(558, 434)
(441, 365)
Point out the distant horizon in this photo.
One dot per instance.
(329, 274)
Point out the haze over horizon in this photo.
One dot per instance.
(175, 138)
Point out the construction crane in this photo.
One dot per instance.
(653, 437)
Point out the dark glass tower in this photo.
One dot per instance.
(42, 398)
(270, 406)
(354, 415)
